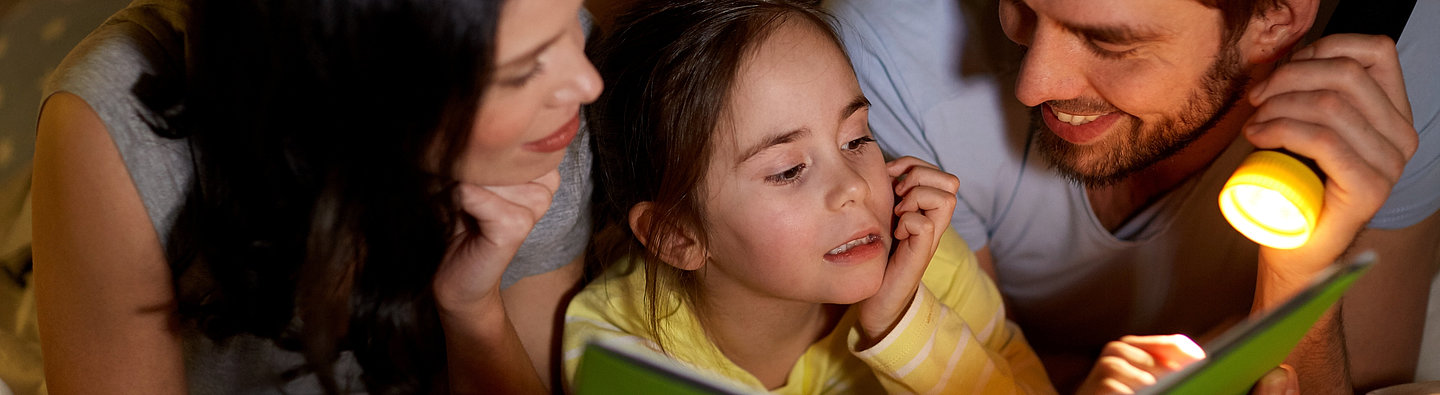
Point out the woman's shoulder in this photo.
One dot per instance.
(142, 45)
(147, 37)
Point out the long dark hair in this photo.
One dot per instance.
(323, 135)
(669, 67)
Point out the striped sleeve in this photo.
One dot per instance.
(954, 338)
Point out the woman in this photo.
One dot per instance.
(304, 196)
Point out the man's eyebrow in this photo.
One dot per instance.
(1117, 34)
(534, 53)
(773, 141)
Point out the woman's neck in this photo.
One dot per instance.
(761, 334)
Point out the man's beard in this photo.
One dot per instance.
(1139, 145)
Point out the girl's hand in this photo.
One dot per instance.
(1136, 362)
(468, 280)
(927, 199)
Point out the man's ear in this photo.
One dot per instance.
(679, 247)
(1273, 32)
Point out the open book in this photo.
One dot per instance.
(1233, 363)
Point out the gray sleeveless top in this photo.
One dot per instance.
(148, 37)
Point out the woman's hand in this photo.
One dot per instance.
(468, 280)
(927, 199)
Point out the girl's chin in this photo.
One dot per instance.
(857, 292)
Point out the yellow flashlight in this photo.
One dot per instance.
(1273, 198)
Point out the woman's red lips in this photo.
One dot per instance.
(559, 139)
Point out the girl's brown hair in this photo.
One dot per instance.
(669, 69)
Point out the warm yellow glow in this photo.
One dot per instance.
(1273, 199)
(1268, 209)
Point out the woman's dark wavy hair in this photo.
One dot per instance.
(669, 68)
(324, 134)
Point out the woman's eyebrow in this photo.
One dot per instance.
(534, 53)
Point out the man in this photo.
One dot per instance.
(1094, 195)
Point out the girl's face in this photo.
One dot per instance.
(798, 203)
(530, 111)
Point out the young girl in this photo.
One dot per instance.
(751, 226)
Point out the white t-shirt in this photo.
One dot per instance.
(939, 75)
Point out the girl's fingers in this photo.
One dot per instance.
(1115, 375)
(902, 275)
(903, 164)
(936, 205)
(1170, 352)
(1134, 356)
(919, 173)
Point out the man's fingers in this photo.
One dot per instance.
(1278, 381)
(1375, 53)
(1316, 117)
(1340, 87)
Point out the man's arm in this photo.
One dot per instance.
(1384, 313)
(1342, 102)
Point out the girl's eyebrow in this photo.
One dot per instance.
(772, 141)
(856, 104)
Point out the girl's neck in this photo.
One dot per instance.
(764, 335)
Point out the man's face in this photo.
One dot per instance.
(1118, 85)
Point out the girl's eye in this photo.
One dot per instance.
(858, 144)
(788, 176)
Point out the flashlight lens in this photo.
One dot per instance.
(1273, 199)
(1268, 209)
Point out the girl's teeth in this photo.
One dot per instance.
(852, 244)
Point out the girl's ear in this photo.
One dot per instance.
(1273, 32)
(678, 247)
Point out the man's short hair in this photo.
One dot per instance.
(1237, 14)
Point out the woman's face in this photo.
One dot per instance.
(530, 110)
(798, 204)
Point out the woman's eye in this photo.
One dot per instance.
(788, 176)
(521, 80)
(858, 144)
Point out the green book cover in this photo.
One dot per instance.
(1243, 354)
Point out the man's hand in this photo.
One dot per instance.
(927, 201)
(1341, 102)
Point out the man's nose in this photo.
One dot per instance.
(1051, 69)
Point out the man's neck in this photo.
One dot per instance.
(763, 335)
(1115, 204)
